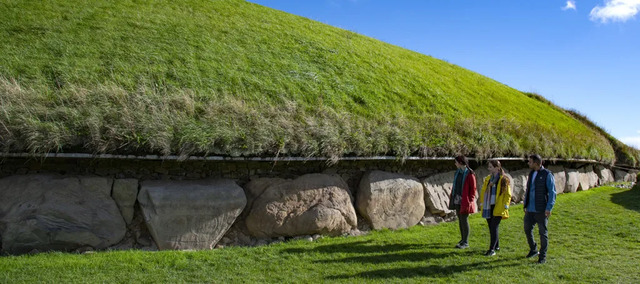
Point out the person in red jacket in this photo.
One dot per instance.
(463, 198)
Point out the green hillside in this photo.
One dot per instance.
(234, 78)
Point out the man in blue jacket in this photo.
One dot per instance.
(538, 203)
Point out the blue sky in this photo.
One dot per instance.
(582, 55)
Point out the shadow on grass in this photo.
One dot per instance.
(365, 252)
(396, 257)
(629, 199)
(361, 247)
(432, 271)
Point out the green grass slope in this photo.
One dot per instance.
(233, 78)
(583, 248)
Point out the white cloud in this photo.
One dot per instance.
(571, 5)
(632, 141)
(615, 10)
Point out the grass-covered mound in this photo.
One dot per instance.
(234, 78)
(582, 249)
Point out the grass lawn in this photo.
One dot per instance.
(233, 78)
(594, 237)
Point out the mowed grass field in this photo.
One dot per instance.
(594, 238)
(233, 78)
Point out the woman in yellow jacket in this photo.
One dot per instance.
(495, 197)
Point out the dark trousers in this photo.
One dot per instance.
(530, 220)
(463, 222)
(494, 224)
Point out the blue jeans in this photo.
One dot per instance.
(530, 220)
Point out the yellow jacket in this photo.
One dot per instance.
(503, 198)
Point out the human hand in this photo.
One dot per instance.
(547, 213)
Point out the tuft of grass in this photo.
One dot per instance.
(582, 248)
(234, 78)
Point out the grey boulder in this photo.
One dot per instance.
(605, 175)
(625, 176)
(390, 201)
(588, 179)
(52, 212)
(195, 214)
(573, 180)
(125, 192)
(519, 184)
(310, 204)
(481, 173)
(437, 191)
(560, 178)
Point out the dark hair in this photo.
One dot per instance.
(464, 161)
(505, 178)
(496, 164)
(536, 159)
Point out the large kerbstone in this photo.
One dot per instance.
(588, 179)
(437, 190)
(481, 173)
(190, 214)
(573, 180)
(560, 178)
(624, 176)
(519, 184)
(51, 212)
(255, 188)
(390, 201)
(311, 204)
(619, 175)
(605, 175)
(125, 192)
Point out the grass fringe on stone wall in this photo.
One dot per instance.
(625, 154)
(234, 78)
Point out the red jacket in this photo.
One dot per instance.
(468, 203)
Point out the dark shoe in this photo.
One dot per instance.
(490, 253)
(542, 260)
(532, 254)
(462, 246)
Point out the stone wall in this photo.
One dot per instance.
(70, 204)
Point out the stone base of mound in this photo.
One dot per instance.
(79, 205)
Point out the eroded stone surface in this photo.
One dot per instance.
(125, 192)
(560, 177)
(390, 200)
(605, 175)
(437, 191)
(481, 173)
(54, 212)
(192, 214)
(310, 204)
(588, 179)
(519, 184)
(573, 180)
